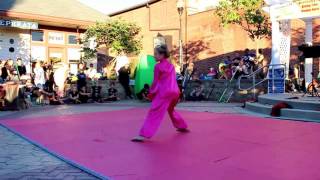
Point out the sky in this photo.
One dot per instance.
(111, 6)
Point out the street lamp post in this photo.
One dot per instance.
(180, 8)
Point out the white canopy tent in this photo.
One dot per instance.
(281, 13)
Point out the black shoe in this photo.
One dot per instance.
(183, 130)
(138, 139)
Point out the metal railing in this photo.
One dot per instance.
(221, 99)
(254, 74)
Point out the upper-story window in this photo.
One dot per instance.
(72, 39)
(37, 36)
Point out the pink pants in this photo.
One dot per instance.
(157, 112)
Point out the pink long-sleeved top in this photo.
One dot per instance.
(164, 83)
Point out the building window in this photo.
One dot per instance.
(37, 36)
(72, 39)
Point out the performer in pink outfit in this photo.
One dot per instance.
(165, 94)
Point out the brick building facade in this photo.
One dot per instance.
(206, 42)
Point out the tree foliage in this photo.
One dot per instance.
(119, 36)
(246, 13)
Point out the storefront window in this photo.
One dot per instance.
(72, 39)
(37, 36)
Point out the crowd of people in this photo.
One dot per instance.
(45, 84)
(48, 85)
(238, 66)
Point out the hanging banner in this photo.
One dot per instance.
(297, 9)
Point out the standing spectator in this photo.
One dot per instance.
(39, 78)
(60, 77)
(82, 67)
(82, 79)
(259, 63)
(21, 67)
(10, 69)
(188, 74)
(248, 59)
(50, 78)
(259, 58)
(91, 72)
(124, 79)
(296, 78)
(4, 71)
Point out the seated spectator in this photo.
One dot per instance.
(54, 98)
(290, 86)
(82, 79)
(74, 96)
(112, 93)
(96, 94)
(241, 69)
(197, 94)
(314, 86)
(203, 77)
(228, 60)
(84, 96)
(212, 73)
(143, 94)
(225, 72)
(35, 95)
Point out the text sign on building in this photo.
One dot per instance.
(55, 38)
(297, 9)
(18, 24)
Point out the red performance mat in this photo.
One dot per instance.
(219, 146)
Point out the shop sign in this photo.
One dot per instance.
(55, 38)
(297, 9)
(18, 24)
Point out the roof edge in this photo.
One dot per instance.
(34, 17)
(133, 7)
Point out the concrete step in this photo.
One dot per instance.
(258, 108)
(302, 114)
(294, 103)
(294, 114)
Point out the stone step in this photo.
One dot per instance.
(302, 114)
(294, 103)
(294, 114)
(258, 108)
